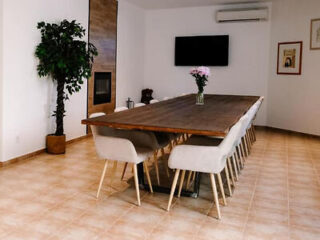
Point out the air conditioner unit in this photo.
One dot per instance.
(240, 15)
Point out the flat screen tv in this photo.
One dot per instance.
(202, 50)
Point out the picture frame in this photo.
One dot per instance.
(315, 34)
(289, 60)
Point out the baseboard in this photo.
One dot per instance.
(35, 153)
(287, 131)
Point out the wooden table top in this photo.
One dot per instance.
(182, 115)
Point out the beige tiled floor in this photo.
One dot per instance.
(52, 197)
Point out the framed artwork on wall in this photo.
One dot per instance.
(289, 58)
(315, 34)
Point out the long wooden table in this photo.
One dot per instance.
(181, 115)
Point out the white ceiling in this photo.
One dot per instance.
(159, 4)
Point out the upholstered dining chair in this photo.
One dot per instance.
(116, 145)
(199, 154)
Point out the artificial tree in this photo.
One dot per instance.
(65, 58)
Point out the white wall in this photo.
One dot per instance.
(247, 73)
(294, 101)
(130, 52)
(27, 99)
(1, 82)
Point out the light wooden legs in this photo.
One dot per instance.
(102, 177)
(135, 174)
(181, 182)
(215, 194)
(222, 189)
(228, 181)
(155, 155)
(164, 162)
(235, 167)
(231, 172)
(145, 165)
(124, 170)
(173, 188)
(189, 179)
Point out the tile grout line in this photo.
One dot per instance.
(252, 197)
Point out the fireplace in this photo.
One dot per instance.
(102, 88)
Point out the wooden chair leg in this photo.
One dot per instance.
(215, 194)
(235, 167)
(188, 179)
(164, 162)
(228, 181)
(181, 182)
(135, 174)
(254, 132)
(156, 166)
(245, 146)
(102, 177)
(248, 142)
(124, 170)
(240, 156)
(222, 189)
(173, 188)
(242, 152)
(194, 176)
(231, 171)
(237, 161)
(148, 175)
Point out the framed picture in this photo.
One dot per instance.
(289, 58)
(315, 34)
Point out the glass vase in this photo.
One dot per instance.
(200, 98)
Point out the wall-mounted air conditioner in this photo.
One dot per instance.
(240, 15)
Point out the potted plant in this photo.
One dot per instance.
(67, 59)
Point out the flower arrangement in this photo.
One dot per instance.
(201, 75)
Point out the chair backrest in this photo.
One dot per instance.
(228, 143)
(112, 147)
(120, 109)
(97, 114)
(154, 101)
(139, 104)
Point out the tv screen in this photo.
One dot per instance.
(202, 51)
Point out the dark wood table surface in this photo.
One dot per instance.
(182, 115)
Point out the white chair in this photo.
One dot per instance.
(120, 109)
(154, 101)
(139, 104)
(199, 154)
(116, 145)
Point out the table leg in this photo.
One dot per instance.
(141, 175)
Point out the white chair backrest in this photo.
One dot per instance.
(97, 114)
(120, 109)
(112, 148)
(154, 101)
(139, 104)
(227, 145)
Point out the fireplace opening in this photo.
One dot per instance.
(102, 88)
